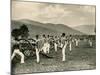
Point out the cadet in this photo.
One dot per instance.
(16, 48)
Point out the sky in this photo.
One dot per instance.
(68, 14)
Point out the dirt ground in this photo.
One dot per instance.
(80, 58)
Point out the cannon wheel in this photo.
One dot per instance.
(28, 49)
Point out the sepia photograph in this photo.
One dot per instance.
(52, 37)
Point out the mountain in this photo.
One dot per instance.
(87, 29)
(44, 28)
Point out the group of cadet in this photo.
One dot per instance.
(44, 43)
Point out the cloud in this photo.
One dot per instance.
(67, 14)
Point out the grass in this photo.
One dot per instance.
(80, 58)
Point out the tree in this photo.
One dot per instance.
(24, 31)
(16, 33)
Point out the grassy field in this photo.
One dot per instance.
(81, 58)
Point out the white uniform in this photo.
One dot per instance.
(90, 43)
(63, 51)
(77, 42)
(46, 45)
(39, 45)
(42, 45)
(17, 51)
(70, 44)
(55, 44)
(64, 43)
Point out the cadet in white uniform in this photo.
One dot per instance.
(37, 49)
(90, 42)
(41, 45)
(55, 43)
(70, 43)
(64, 43)
(46, 46)
(17, 51)
(77, 42)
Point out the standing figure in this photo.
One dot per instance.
(37, 48)
(90, 42)
(55, 43)
(17, 51)
(63, 51)
(70, 43)
(70, 46)
(77, 42)
(64, 44)
(41, 45)
(46, 46)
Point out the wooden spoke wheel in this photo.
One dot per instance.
(26, 47)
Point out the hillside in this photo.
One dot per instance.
(44, 28)
(87, 29)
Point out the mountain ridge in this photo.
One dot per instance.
(46, 28)
(87, 29)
